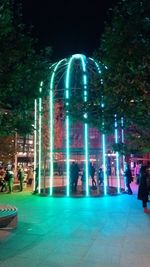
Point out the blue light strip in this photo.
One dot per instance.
(51, 119)
(68, 154)
(104, 162)
(35, 141)
(103, 138)
(122, 140)
(68, 128)
(117, 156)
(104, 159)
(40, 138)
(83, 60)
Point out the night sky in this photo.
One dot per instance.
(68, 26)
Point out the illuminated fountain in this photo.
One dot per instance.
(58, 140)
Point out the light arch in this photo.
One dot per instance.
(67, 66)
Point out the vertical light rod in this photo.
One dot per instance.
(40, 138)
(83, 61)
(122, 140)
(117, 155)
(35, 141)
(103, 138)
(51, 124)
(67, 95)
(104, 162)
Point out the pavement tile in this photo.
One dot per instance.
(76, 232)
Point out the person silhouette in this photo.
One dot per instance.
(92, 174)
(128, 179)
(143, 189)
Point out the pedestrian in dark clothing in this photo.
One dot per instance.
(74, 175)
(128, 178)
(9, 178)
(3, 183)
(92, 174)
(143, 190)
(21, 177)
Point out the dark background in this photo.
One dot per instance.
(68, 26)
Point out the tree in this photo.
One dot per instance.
(125, 54)
(125, 50)
(7, 148)
(22, 69)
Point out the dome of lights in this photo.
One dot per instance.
(60, 141)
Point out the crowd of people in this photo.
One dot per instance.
(141, 174)
(8, 176)
(75, 172)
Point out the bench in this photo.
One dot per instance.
(8, 216)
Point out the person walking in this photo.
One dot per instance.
(92, 174)
(143, 190)
(3, 183)
(128, 179)
(9, 178)
(137, 171)
(21, 177)
(74, 175)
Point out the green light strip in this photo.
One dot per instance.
(40, 137)
(117, 156)
(83, 60)
(123, 157)
(103, 140)
(86, 137)
(68, 128)
(35, 140)
(68, 155)
(51, 130)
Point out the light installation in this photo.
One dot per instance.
(82, 58)
(122, 140)
(51, 124)
(35, 140)
(103, 137)
(117, 156)
(40, 138)
(64, 70)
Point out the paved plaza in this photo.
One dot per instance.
(109, 231)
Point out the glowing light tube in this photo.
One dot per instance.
(51, 124)
(86, 158)
(40, 138)
(35, 140)
(103, 138)
(117, 156)
(123, 157)
(67, 155)
(104, 162)
(82, 58)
